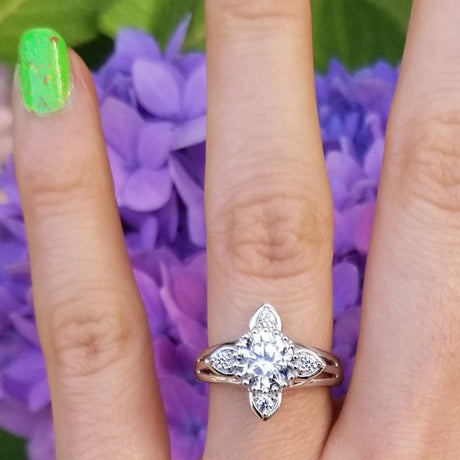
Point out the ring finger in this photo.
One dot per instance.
(268, 212)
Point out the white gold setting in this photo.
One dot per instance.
(267, 361)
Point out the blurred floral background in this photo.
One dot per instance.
(149, 67)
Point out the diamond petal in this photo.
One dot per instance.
(308, 364)
(222, 360)
(265, 405)
(266, 317)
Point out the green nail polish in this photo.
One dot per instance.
(43, 70)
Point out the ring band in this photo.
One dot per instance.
(267, 361)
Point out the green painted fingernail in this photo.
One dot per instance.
(43, 70)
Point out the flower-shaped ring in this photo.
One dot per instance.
(267, 361)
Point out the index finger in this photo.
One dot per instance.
(90, 317)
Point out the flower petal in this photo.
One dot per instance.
(26, 327)
(155, 142)
(189, 62)
(343, 172)
(187, 285)
(156, 314)
(41, 441)
(121, 125)
(146, 190)
(149, 233)
(16, 417)
(345, 276)
(39, 396)
(363, 228)
(195, 93)
(186, 411)
(373, 160)
(131, 44)
(168, 220)
(120, 171)
(157, 88)
(177, 40)
(344, 226)
(346, 327)
(190, 133)
(192, 195)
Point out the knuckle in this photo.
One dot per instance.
(262, 14)
(272, 235)
(430, 163)
(54, 188)
(89, 333)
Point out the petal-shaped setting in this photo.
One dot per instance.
(265, 317)
(265, 404)
(223, 360)
(265, 361)
(308, 364)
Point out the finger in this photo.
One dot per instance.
(90, 317)
(406, 364)
(268, 212)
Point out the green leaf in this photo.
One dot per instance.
(158, 17)
(196, 33)
(399, 9)
(358, 32)
(75, 20)
(11, 447)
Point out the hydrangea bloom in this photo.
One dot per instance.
(153, 108)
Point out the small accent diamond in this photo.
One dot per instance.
(265, 404)
(266, 319)
(223, 360)
(308, 364)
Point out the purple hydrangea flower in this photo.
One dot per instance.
(353, 111)
(153, 109)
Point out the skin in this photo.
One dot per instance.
(269, 223)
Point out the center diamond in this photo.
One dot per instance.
(265, 360)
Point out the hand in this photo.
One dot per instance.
(270, 226)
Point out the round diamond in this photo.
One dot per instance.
(265, 360)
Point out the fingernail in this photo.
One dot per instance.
(43, 70)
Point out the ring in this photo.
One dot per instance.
(267, 361)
